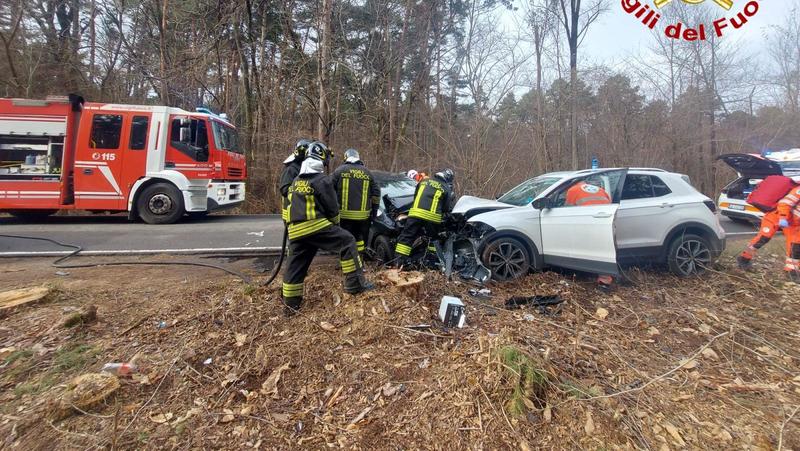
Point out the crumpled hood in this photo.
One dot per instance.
(467, 203)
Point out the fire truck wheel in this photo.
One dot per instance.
(161, 203)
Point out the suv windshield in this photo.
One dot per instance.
(226, 138)
(397, 189)
(528, 191)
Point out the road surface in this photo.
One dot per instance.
(115, 235)
(213, 235)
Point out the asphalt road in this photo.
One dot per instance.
(115, 235)
(213, 235)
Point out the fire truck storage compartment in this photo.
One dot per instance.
(30, 157)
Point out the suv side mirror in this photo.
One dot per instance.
(542, 203)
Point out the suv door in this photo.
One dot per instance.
(582, 237)
(642, 214)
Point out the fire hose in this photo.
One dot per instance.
(58, 263)
(277, 269)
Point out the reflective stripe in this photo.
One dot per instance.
(364, 194)
(425, 214)
(345, 194)
(586, 200)
(361, 246)
(292, 290)
(354, 215)
(402, 249)
(435, 203)
(417, 200)
(306, 228)
(349, 266)
(285, 214)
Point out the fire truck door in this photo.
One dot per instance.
(99, 163)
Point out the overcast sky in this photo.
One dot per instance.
(618, 35)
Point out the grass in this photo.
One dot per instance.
(529, 381)
(67, 358)
(577, 391)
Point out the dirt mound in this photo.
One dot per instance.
(662, 363)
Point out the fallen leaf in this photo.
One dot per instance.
(589, 426)
(524, 446)
(602, 313)
(330, 367)
(161, 418)
(327, 326)
(228, 416)
(240, 340)
(390, 390)
(192, 412)
(359, 417)
(653, 332)
(247, 410)
(682, 398)
(270, 386)
(705, 328)
(547, 414)
(689, 365)
(710, 354)
(673, 431)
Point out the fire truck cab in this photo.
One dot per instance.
(155, 162)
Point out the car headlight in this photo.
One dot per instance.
(221, 191)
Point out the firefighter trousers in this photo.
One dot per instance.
(302, 252)
(415, 228)
(359, 230)
(769, 227)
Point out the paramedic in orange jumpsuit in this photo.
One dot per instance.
(789, 213)
(769, 227)
(583, 194)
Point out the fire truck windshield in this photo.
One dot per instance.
(226, 138)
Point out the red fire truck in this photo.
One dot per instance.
(155, 162)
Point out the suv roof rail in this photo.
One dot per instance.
(649, 169)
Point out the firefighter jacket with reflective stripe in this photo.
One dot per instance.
(358, 193)
(312, 205)
(432, 200)
(583, 194)
(290, 172)
(789, 206)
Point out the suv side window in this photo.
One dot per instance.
(637, 187)
(660, 189)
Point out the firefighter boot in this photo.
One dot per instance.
(356, 283)
(291, 306)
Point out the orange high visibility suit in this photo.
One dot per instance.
(769, 227)
(583, 194)
(789, 209)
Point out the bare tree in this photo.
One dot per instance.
(576, 17)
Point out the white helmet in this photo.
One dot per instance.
(412, 175)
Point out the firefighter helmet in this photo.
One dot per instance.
(319, 151)
(301, 147)
(412, 174)
(448, 176)
(352, 156)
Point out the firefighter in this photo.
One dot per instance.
(416, 176)
(789, 221)
(583, 194)
(359, 197)
(770, 225)
(313, 225)
(433, 199)
(291, 169)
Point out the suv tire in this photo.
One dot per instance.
(384, 253)
(689, 255)
(507, 258)
(161, 203)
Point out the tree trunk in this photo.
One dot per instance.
(323, 121)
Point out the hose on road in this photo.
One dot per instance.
(59, 263)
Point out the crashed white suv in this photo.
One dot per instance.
(655, 217)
